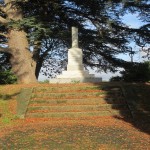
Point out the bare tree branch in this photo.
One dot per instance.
(3, 20)
(3, 34)
(5, 50)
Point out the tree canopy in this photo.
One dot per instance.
(47, 24)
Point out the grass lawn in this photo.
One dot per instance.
(100, 133)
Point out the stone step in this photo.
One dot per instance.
(80, 115)
(74, 89)
(74, 95)
(76, 108)
(76, 101)
(87, 101)
(88, 92)
(71, 87)
(60, 91)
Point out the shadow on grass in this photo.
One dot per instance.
(7, 97)
(137, 99)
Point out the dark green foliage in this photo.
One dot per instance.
(138, 72)
(53, 19)
(7, 77)
(117, 78)
(102, 33)
(4, 61)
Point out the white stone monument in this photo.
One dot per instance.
(75, 69)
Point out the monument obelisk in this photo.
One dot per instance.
(75, 69)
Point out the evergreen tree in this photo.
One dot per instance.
(102, 33)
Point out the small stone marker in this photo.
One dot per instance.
(75, 68)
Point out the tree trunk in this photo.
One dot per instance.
(36, 57)
(22, 63)
(38, 68)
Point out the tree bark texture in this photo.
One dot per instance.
(38, 68)
(22, 62)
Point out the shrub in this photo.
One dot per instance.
(137, 72)
(7, 77)
(117, 78)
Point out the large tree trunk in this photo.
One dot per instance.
(22, 63)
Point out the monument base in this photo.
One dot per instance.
(76, 80)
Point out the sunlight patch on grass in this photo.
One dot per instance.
(6, 117)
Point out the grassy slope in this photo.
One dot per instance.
(138, 94)
(103, 134)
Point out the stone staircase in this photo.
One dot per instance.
(76, 101)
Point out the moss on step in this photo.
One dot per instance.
(23, 101)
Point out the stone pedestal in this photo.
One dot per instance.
(75, 69)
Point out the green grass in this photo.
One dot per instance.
(78, 137)
(6, 117)
(61, 101)
(71, 94)
(61, 88)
